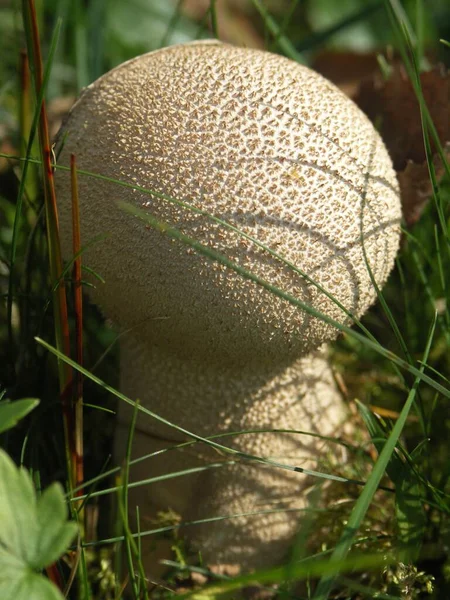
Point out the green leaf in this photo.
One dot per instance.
(18, 584)
(34, 533)
(17, 508)
(55, 533)
(12, 412)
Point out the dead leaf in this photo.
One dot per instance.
(393, 104)
(346, 69)
(416, 187)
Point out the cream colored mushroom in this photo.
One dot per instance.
(281, 154)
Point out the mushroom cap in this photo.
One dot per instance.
(259, 141)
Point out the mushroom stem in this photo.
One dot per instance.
(210, 399)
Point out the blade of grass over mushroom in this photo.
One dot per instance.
(107, 474)
(273, 28)
(186, 524)
(220, 465)
(123, 501)
(212, 466)
(78, 307)
(217, 257)
(223, 223)
(207, 441)
(375, 346)
(345, 543)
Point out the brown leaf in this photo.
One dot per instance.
(346, 69)
(393, 105)
(416, 187)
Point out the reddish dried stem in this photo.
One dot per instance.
(54, 249)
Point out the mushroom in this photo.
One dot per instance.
(284, 157)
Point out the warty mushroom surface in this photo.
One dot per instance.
(279, 153)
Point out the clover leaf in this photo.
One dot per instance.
(34, 533)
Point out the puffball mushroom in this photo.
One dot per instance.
(280, 154)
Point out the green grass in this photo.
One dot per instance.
(383, 531)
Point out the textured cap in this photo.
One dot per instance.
(258, 141)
